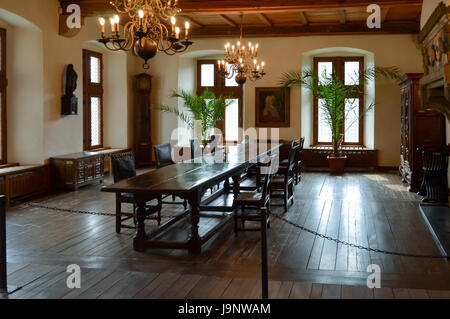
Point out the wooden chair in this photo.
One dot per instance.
(214, 143)
(283, 181)
(254, 201)
(163, 156)
(196, 150)
(123, 167)
(298, 160)
(434, 187)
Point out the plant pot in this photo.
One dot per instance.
(337, 164)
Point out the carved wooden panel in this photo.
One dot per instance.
(420, 127)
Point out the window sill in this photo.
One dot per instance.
(344, 147)
(8, 165)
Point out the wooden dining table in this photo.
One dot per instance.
(190, 180)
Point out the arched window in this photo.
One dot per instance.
(346, 68)
(207, 78)
(92, 100)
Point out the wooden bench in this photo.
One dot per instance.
(24, 180)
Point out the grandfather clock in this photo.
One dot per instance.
(142, 119)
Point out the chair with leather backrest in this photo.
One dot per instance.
(254, 200)
(124, 167)
(163, 155)
(196, 150)
(283, 182)
(213, 142)
(299, 163)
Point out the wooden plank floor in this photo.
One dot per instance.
(369, 209)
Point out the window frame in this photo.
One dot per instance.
(91, 90)
(3, 91)
(339, 67)
(219, 88)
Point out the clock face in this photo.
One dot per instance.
(145, 83)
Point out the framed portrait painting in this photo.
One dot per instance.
(272, 107)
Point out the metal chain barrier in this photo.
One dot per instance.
(74, 211)
(343, 242)
(338, 241)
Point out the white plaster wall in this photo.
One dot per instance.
(51, 133)
(285, 54)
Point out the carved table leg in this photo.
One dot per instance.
(226, 186)
(139, 237)
(194, 242)
(236, 187)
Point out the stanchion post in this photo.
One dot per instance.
(4, 288)
(264, 270)
(3, 282)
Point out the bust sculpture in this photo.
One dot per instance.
(69, 101)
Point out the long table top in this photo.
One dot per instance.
(193, 174)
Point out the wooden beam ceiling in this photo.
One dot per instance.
(306, 30)
(303, 18)
(263, 18)
(228, 20)
(342, 17)
(94, 7)
(236, 6)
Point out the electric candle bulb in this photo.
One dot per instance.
(177, 32)
(262, 65)
(187, 26)
(113, 27)
(102, 25)
(117, 20)
(141, 17)
(173, 21)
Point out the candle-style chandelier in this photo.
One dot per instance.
(241, 61)
(151, 27)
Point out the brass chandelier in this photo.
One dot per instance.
(241, 61)
(152, 26)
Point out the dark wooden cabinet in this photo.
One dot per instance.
(76, 170)
(419, 127)
(142, 119)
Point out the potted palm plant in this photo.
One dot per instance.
(335, 104)
(206, 109)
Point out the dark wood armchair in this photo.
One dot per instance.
(298, 160)
(163, 156)
(283, 181)
(434, 186)
(196, 150)
(254, 200)
(123, 167)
